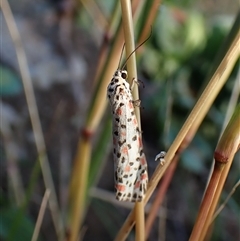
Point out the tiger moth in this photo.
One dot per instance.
(130, 166)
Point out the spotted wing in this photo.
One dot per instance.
(129, 160)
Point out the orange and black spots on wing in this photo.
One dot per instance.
(118, 155)
(137, 184)
(134, 138)
(116, 121)
(127, 168)
(135, 197)
(123, 160)
(143, 160)
(132, 113)
(130, 105)
(120, 143)
(125, 150)
(140, 142)
(144, 176)
(129, 160)
(135, 121)
(119, 111)
(129, 120)
(123, 128)
(120, 187)
(121, 90)
(123, 133)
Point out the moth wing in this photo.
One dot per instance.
(129, 159)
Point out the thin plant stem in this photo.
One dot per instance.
(77, 197)
(15, 180)
(225, 201)
(96, 110)
(223, 155)
(205, 101)
(95, 12)
(83, 155)
(218, 192)
(127, 20)
(232, 103)
(34, 117)
(156, 4)
(108, 34)
(206, 203)
(160, 195)
(230, 109)
(41, 215)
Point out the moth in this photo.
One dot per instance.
(130, 166)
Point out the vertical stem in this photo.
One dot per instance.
(216, 197)
(206, 203)
(132, 74)
(78, 200)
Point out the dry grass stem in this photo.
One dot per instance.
(216, 198)
(78, 189)
(96, 111)
(40, 215)
(167, 178)
(156, 4)
(127, 21)
(227, 146)
(96, 14)
(83, 155)
(225, 201)
(108, 35)
(34, 116)
(233, 101)
(205, 101)
(207, 202)
(15, 180)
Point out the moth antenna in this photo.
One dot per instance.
(121, 56)
(136, 49)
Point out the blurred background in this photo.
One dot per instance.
(62, 40)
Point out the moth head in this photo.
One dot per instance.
(121, 74)
(124, 74)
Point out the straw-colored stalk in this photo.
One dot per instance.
(34, 117)
(167, 177)
(224, 154)
(80, 172)
(132, 74)
(202, 106)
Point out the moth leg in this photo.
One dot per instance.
(136, 81)
(139, 131)
(137, 103)
(160, 157)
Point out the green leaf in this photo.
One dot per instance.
(9, 82)
(11, 228)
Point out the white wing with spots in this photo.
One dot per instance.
(129, 160)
